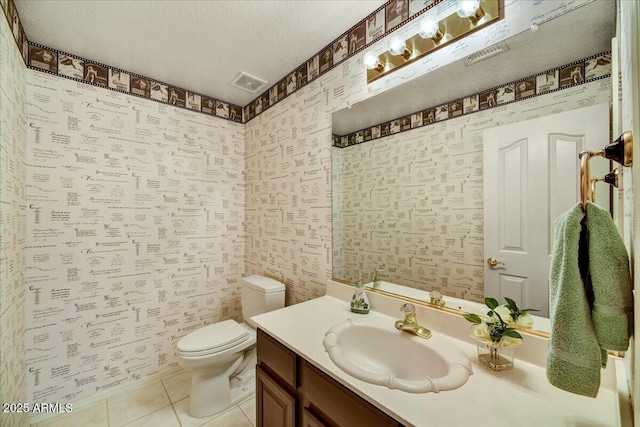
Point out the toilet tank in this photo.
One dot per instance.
(260, 295)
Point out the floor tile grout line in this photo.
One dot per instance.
(145, 415)
(176, 414)
(243, 412)
(245, 415)
(142, 416)
(110, 421)
(173, 408)
(166, 391)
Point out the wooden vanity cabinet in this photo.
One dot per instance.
(276, 384)
(290, 391)
(274, 405)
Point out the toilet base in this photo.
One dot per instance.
(210, 398)
(239, 394)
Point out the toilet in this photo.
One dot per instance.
(222, 356)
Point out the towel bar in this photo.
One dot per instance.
(612, 178)
(620, 150)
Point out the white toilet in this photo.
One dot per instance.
(222, 356)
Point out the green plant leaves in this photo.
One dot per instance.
(473, 318)
(499, 329)
(492, 303)
(514, 307)
(509, 332)
(511, 303)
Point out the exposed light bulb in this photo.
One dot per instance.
(371, 60)
(467, 8)
(397, 45)
(428, 27)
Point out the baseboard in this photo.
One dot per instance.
(117, 390)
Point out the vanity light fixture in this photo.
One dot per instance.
(398, 46)
(470, 9)
(372, 61)
(467, 16)
(430, 29)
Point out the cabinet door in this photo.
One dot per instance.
(275, 407)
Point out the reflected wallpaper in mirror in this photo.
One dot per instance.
(411, 204)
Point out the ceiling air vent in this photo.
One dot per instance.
(247, 82)
(485, 53)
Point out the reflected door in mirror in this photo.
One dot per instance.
(531, 176)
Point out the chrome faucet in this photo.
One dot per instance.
(410, 324)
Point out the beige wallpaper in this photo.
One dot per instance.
(135, 234)
(288, 157)
(12, 227)
(412, 203)
(288, 181)
(289, 215)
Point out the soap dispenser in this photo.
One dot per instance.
(359, 301)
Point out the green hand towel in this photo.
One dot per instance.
(612, 313)
(573, 355)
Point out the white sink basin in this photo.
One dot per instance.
(396, 359)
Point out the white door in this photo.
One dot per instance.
(532, 176)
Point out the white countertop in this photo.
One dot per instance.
(519, 397)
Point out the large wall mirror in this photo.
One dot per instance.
(416, 204)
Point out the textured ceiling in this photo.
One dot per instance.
(197, 45)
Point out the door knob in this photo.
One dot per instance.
(493, 262)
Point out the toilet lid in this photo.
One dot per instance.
(222, 334)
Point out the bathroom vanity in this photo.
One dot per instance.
(299, 385)
(291, 392)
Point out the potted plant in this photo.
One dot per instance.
(496, 333)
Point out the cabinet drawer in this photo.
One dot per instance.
(340, 405)
(277, 359)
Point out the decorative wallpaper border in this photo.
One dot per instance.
(384, 20)
(62, 64)
(595, 67)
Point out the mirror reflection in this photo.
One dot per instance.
(457, 168)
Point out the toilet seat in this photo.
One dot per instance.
(213, 339)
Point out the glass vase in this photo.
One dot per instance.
(496, 358)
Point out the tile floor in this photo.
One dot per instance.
(163, 403)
